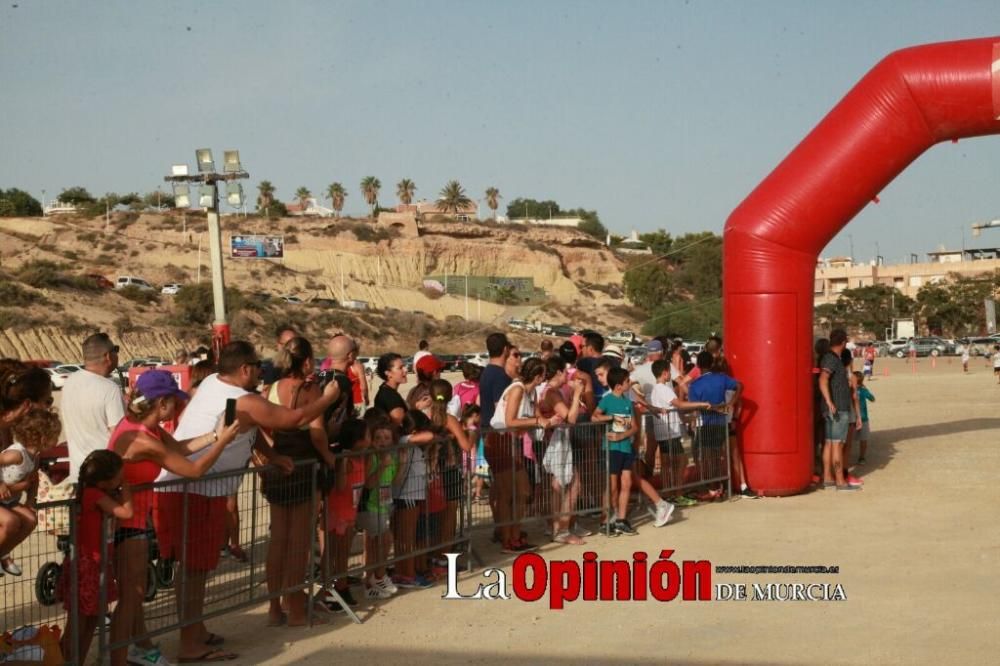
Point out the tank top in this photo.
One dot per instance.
(203, 414)
(297, 443)
(136, 473)
(11, 474)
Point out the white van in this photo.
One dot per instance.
(132, 281)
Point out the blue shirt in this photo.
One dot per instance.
(711, 387)
(492, 383)
(620, 411)
(864, 396)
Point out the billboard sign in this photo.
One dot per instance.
(257, 247)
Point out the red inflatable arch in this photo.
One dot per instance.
(911, 100)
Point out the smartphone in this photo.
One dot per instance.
(230, 411)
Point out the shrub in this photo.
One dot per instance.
(13, 294)
(41, 273)
(137, 295)
(87, 237)
(123, 324)
(18, 320)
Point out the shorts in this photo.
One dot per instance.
(836, 427)
(711, 436)
(126, 533)
(206, 520)
(621, 461)
(295, 488)
(401, 504)
(864, 432)
(671, 447)
(498, 452)
(996, 370)
(373, 524)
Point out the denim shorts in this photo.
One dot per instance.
(836, 427)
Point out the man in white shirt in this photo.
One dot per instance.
(92, 404)
(423, 349)
(642, 390)
(202, 513)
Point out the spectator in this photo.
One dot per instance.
(147, 450)
(546, 350)
(562, 459)
(568, 353)
(35, 432)
(494, 379)
(199, 371)
(712, 435)
(864, 397)
(359, 381)
(268, 372)
(643, 382)
(614, 354)
(996, 362)
(238, 375)
(668, 429)
(102, 492)
(836, 392)
(392, 371)
(446, 464)
(514, 409)
(92, 404)
(293, 497)
(21, 388)
(181, 357)
(423, 349)
(466, 391)
(590, 356)
(343, 498)
(376, 506)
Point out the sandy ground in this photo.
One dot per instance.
(917, 551)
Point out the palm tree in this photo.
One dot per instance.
(453, 198)
(404, 190)
(303, 195)
(370, 185)
(493, 200)
(336, 194)
(266, 195)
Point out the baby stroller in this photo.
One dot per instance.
(54, 486)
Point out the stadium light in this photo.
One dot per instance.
(179, 170)
(206, 163)
(206, 196)
(231, 161)
(234, 194)
(182, 196)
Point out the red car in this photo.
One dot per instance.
(100, 281)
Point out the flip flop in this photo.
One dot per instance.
(214, 640)
(210, 656)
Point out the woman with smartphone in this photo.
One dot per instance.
(147, 449)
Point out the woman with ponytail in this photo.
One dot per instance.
(447, 457)
(293, 497)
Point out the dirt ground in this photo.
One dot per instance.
(917, 549)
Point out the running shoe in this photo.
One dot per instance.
(142, 657)
(682, 500)
(624, 527)
(11, 567)
(385, 582)
(375, 592)
(334, 606)
(608, 529)
(854, 481)
(663, 513)
(580, 531)
(746, 492)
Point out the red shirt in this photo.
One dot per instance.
(344, 503)
(355, 385)
(137, 473)
(89, 540)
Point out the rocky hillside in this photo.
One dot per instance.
(324, 258)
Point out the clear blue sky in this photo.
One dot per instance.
(656, 114)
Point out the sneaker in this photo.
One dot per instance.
(624, 527)
(142, 657)
(746, 492)
(848, 487)
(663, 513)
(375, 592)
(608, 529)
(854, 481)
(580, 531)
(11, 567)
(334, 606)
(407, 583)
(682, 500)
(385, 582)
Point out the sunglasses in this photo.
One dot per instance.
(516, 354)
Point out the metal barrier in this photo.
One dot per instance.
(320, 530)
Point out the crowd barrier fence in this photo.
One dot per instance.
(209, 541)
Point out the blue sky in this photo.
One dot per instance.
(656, 114)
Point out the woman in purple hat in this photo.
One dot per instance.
(147, 449)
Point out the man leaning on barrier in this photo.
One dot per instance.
(205, 501)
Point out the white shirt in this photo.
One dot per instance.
(91, 407)
(203, 415)
(665, 426)
(419, 355)
(643, 376)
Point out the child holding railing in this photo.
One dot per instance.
(375, 510)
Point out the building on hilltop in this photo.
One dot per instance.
(426, 209)
(311, 209)
(405, 223)
(632, 245)
(839, 273)
(570, 222)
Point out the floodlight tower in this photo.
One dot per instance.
(208, 198)
(977, 228)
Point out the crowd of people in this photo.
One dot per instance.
(389, 463)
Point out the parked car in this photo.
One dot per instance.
(694, 347)
(558, 330)
(895, 346)
(288, 298)
(100, 281)
(624, 338)
(325, 302)
(979, 346)
(517, 324)
(132, 281)
(926, 347)
(369, 363)
(57, 378)
(452, 362)
(69, 368)
(170, 289)
(479, 359)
